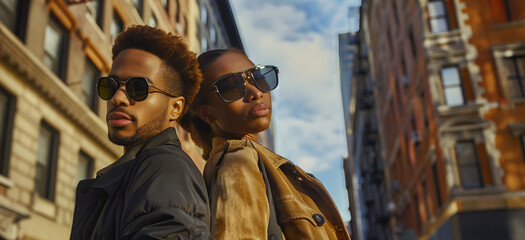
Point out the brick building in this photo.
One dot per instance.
(52, 124)
(447, 78)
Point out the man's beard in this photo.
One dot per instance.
(144, 133)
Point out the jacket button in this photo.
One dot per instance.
(319, 219)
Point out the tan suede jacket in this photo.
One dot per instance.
(240, 208)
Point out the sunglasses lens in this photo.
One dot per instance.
(265, 78)
(231, 88)
(137, 88)
(106, 88)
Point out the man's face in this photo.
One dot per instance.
(131, 122)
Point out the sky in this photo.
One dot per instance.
(300, 37)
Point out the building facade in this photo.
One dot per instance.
(447, 77)
(52, 124)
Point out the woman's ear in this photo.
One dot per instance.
(202, 112)
(177, 105)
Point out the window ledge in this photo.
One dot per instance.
(447, 34)
(517, 128)
(520, 23)
(445, 110)
(518, 100)
(6, 182)
(485, 191)
(43, 206)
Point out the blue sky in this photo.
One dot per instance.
(300, 37)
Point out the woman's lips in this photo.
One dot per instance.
(260, 110)
(118, 119)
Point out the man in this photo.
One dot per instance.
(154, 191)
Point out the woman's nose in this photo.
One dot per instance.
(252, 92)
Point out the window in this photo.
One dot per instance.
(416, 211)
(204, 44)
(514, 10)
(139, 5)
(404, 71)
(47, 153)
(7, 111)
(166, 5)
(436, 184)
(213, 35)
(438, 16)
(516, 67)
(394, 9)
(117, 25)
(425, 199)
(522, 141)
(177, 11)
(413, 45)
(13, 14)
(204, 14)
(153, 20)
(468, 164)
(452, 86)
(89, 91)
(84, 167)
(96, 10)
(415, 136)
(424, 109)
(55, 47)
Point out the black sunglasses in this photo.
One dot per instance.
(232, 87)
(137, 88)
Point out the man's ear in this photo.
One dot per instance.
(202, 112)
(177, 105)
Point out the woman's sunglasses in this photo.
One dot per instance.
(232, 87)
(137, 88)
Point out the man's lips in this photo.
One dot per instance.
(260, 110)
(118, 119)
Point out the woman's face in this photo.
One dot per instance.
(246, 116)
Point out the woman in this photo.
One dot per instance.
(254, 193)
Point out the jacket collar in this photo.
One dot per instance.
(220, 145)
(109, 177)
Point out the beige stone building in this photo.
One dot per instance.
(52, 124)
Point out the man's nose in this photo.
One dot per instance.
(120, 98)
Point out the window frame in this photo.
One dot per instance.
(7, 137)
(436, 184)
(437, 17)
(166, 6)
(20, 19)
(477, 164)
(520, 76)
(62, 55)
(99, 18)
(500, 53)
(508, 10)
(93, 104)
(49, 192)
(116, 15)
(139, 7)
(89, 166)
(461, 85)
(522, 143)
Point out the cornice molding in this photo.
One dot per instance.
(62, 12)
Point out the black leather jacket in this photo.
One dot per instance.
(154, 191)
